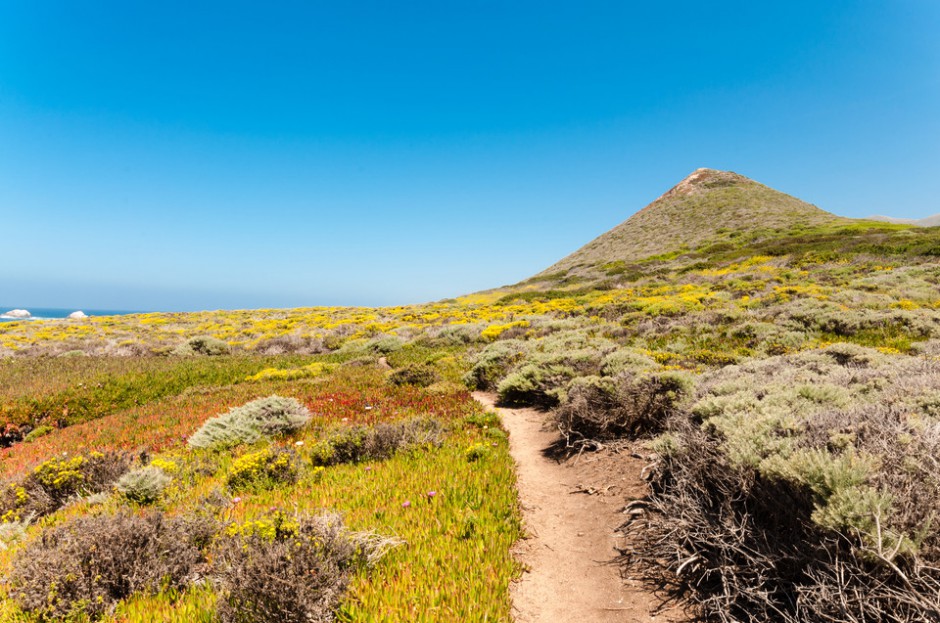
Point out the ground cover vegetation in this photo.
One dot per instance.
(341, 488)
(783, 367)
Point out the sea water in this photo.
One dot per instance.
(46, 313)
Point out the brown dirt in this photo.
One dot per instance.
(571, 511)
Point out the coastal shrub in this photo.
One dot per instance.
(85, 566)
(202, 345)
(53, 483)
(460, 334)
(143, 485)
(360, 443)
(308, 371)
(493, 362)
(626, 360)
(262, 418)
(843, 321)
(291, 343)
(495, 331)
(628, 405)
(534, 384)
(384, 345)
(420, 375)
(547, 366)
(291, 570)
(264, 469)
(801, 488)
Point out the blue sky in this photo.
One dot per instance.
(187, 155)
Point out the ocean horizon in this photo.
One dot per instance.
(53, 313)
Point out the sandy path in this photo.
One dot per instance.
(571, 511)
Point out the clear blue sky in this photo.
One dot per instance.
(191, 155)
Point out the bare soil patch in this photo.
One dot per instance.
(571, 511)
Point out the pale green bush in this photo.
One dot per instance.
(143, 485)
(204, 345)
(493, 362)
(384, 344)
(262, 418)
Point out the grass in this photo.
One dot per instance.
(66, 391)
(457, 517)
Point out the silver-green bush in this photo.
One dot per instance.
(262, 418)
(144, 485)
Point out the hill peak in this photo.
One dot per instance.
(700, 180)
(702, 208)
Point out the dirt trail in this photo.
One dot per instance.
(571, 511)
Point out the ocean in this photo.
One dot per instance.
(46, 313)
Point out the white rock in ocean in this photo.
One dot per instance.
(18, 313)
(78, 315)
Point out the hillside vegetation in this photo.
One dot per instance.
(704, 207)
(781, 364)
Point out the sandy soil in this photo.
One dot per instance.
(571, 510)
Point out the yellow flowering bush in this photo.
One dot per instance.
(291, 374)
(264, 468)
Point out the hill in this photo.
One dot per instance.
(778, 365)
(929, 221)
(705, 206)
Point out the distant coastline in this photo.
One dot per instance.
(53, 313)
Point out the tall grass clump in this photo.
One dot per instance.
(262, 418)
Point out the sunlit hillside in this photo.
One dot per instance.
(781, 363)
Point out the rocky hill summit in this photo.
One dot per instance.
(706, 206)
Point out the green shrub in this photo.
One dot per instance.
(264, 469)
(477, 452)
(626, 360)
(262, 418)
(36, 433)
(384, 345)
(346, 445)
(420, 375)
(534, 384)
(360, 443)
(202, 345)
(144, 485)
(493, 362)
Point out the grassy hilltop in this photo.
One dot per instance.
(780, 362)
